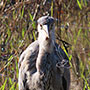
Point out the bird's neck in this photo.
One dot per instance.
(44, 48)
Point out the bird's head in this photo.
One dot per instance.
(46, 28)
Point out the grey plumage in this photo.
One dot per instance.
(44, 65)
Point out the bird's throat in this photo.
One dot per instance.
(46, 46)
(44, 49)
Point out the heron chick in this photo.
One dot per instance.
(40, 65)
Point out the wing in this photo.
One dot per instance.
(27, 64)
(63, 61)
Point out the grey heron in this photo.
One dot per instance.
(44, 65)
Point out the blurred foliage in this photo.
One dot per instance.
(18, 29)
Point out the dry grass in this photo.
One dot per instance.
(18, 30)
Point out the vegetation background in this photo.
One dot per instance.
(18, 29)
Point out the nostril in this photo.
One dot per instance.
(47, 38)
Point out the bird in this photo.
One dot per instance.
(43, 65)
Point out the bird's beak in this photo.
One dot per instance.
(46, 32)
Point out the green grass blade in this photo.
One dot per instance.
(52, 8)
(8, 33)
(17, 68)
(79, 4)
(14, 15)
(33, 24)
(3, 86)
(12, 87)
(23, 32)
(69, 57)
(85, 2)
(23, 11)
(10, 58)
(34, 35)
(9, 61)
(10, 81)
(75, 40)
(31, 18)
